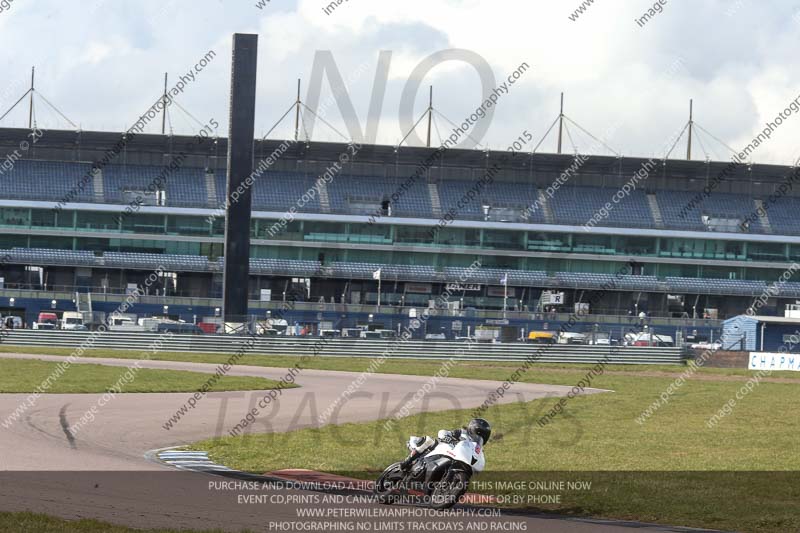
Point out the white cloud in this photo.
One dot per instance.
(103, 66)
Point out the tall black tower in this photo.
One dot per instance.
(240, 169)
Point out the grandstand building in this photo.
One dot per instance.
(328, 228)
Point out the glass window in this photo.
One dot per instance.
(65, 219)
(143, 223)
(43, 218)
(10, 216)
(57, 243)
(90, 220)
(414, 235)
(766, 251)
(503, 240)
(187, 225)
(218, 227)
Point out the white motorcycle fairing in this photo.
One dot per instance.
(465, 451)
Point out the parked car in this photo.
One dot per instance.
(180, 328)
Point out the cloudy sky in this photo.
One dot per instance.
(102, 62)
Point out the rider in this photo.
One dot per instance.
(478, 430)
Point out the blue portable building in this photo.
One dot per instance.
(761, 333)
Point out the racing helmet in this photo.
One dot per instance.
(478, 427)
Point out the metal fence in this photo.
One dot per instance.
(343, 347)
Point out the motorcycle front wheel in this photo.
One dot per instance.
(449, 490)
(389, 486)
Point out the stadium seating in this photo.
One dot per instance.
(347, 192)
(143, 261)
(394, 272)
(47, 256)
(782, 215)
(275, 191)
(279, 191)
(577, 205)
(716, 286)
(285, 267)
(48, 180)
(185, 187)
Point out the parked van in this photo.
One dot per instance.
(11, 322)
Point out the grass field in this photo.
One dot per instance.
(39, 523)
(390, 366)
(672, 469)
(24, 375)
(741, 475)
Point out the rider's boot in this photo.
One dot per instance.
(406, 463)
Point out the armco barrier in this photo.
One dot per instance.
(343, 347)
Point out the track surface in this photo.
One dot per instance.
(101, 472)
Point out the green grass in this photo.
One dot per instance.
(24, 375)
(671, 469)
(475, 370)
(39, 523)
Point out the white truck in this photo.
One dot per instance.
(124, 322)
(72, 321)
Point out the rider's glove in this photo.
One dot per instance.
(447, 437)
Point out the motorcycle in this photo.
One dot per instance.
(439, 469)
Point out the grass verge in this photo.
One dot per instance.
(24, 375)
(475, 370)
(39, 523)
(672, 469)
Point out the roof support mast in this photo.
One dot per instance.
(691, 125)
(560, 123)
(164, 111)
(30, 109)
(430, 116)
(297, 113)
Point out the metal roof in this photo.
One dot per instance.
(91, 145)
